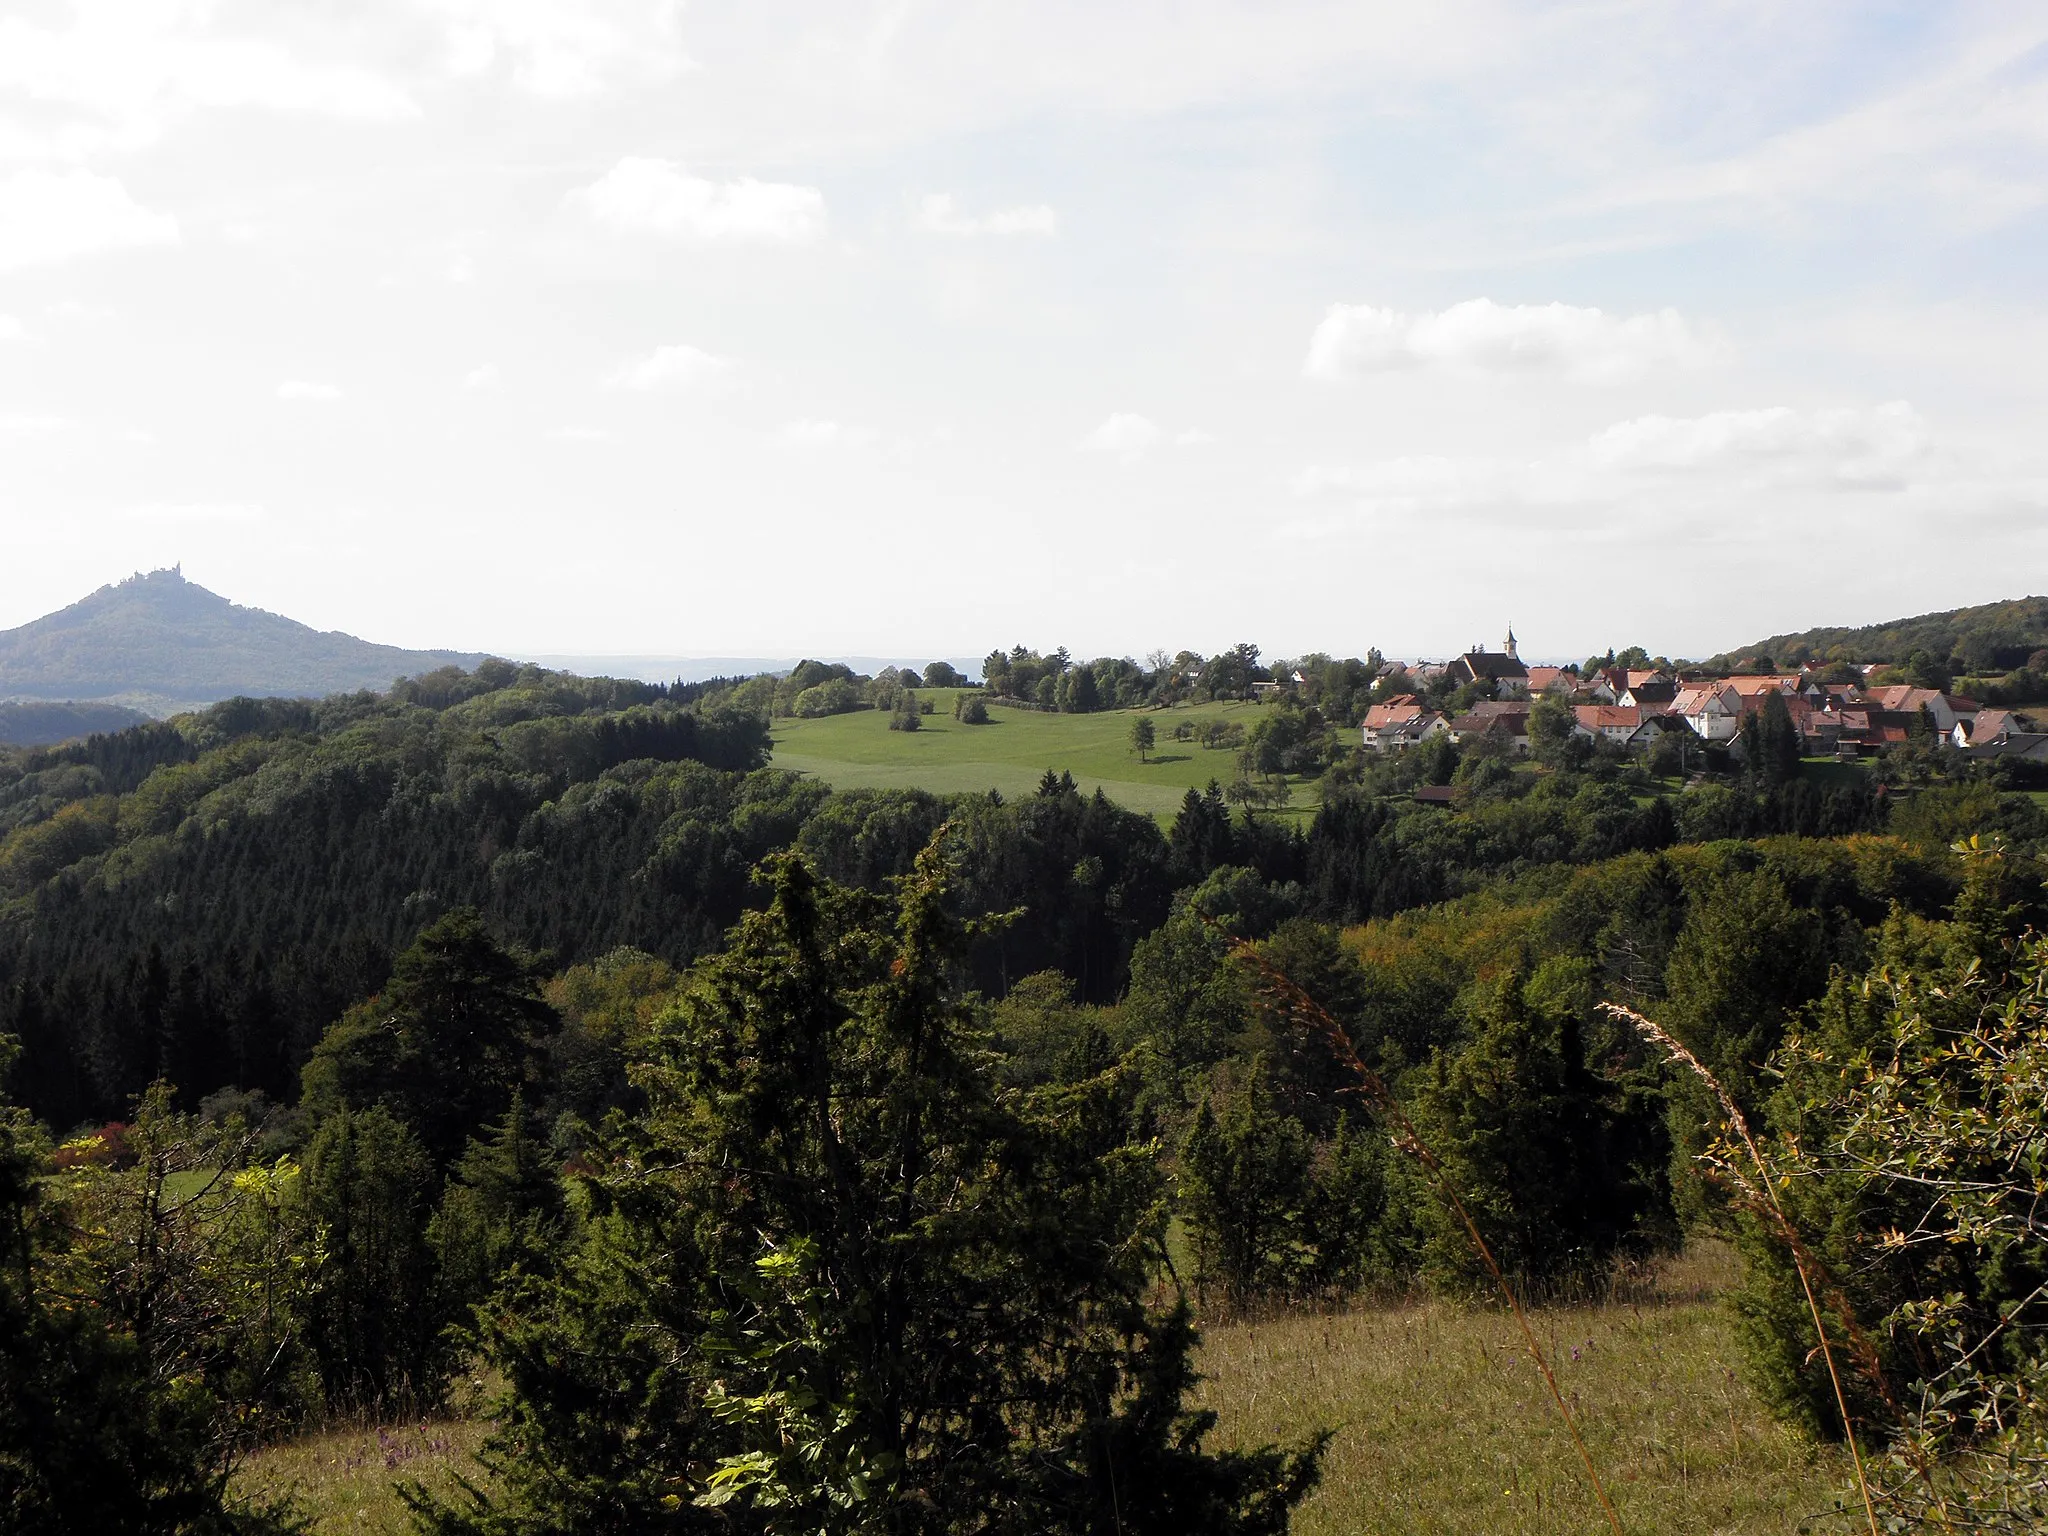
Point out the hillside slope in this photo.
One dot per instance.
(42, 725)
(1990, 637)
(162, 641)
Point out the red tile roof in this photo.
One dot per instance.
(1606, 717)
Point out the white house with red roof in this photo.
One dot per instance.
(1617, 723)
(1713, 710)
(1400, 722)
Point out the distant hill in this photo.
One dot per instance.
(43, 725)
(1989, 638)
(160, 642)
(698, 669)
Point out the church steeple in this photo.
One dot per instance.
(1509, 646)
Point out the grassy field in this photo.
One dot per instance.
(1011, 752)
(1442, 1426)
(347, 1480)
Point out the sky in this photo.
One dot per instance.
(633, 326)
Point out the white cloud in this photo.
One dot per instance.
(564, 50)
(179, 513)
(1690, 465)
(1480, 336)
(79, 310)
(1124, 433)
(308, 390)
(1858, 448)
(937, 216)
(11, 329)
(1131, 436)
(579, 435)
(482, 379)
(1956, 139)
(33, 425)
(640, 195)
(688, 367)
(54, 216)
(125, 70)
(808, 434)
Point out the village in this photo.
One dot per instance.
(1637, 708)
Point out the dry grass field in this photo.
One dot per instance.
(1442, 1426)
(347, 1480)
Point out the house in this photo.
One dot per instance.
(1713, 710)
(1552, 680)
(1822, 729)
(1947, 711)
(1505, 719)
(1433, 794)
(1500, 671)
(1607, 722)
(1400, 722)
(2028, 746)
(1868, 730)
(1654, 729)
(1655, 691)
(1988, 727)
(1753, 690)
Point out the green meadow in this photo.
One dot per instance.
(1012, 751)
(1440, 1425)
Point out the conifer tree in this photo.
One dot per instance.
(841, 1279)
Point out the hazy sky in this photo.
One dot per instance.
(768, 328)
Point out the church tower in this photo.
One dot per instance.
(1509, 645)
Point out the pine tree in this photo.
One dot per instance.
(1246, 1189)
(446, 1046)
(1539, 1147)
(842, 1280)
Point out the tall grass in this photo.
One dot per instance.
(346, 1480)
(1308, 1014)
(1443, 1428)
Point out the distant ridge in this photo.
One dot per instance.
(697, 669)
(40, 725)
(158, 642)
(1991, 637)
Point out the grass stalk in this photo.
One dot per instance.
(1764, 1198)
(1370, 1087)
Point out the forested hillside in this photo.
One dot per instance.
(1988, 639)
(537, 1027)
(42, 725)
(162, 641)
(197, 899)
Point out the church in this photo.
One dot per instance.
(1501, 670)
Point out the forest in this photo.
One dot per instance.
(785, 1159)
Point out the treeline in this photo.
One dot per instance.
(817, 688)
(1980, 641)
(196, 901)
(1340, 689)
